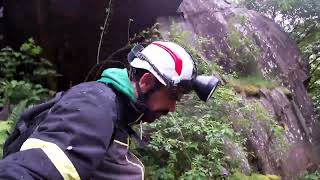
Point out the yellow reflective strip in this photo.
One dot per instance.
(59, 159)
(119, 142)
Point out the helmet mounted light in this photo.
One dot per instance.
(204, 86)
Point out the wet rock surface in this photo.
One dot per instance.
(296, 148)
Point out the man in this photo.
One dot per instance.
(84, 133)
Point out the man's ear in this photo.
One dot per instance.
(147, 82)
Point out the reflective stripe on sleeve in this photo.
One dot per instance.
(121, 143)
(59, 159)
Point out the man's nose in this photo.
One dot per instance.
(173, 106)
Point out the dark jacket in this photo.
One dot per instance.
(79, 137)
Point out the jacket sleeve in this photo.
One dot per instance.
(71, 141)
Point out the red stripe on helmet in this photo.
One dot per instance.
(175, 57)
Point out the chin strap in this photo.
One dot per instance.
(141, 130)
(140, 104)
(144, 96)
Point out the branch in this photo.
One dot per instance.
(310, 29)
(312, 83)
(108, 59)
(136, 38)
(103, 30)
(127, 46)
(129, 25)
(317, 58)
(181, 134)
(315, 80)
(314, 70)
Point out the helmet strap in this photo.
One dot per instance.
(142, 98)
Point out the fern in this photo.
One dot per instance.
(6, 127)
(16, 91)
(16, 113)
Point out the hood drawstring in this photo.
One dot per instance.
(141, 129)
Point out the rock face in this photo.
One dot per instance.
(277, 57)
(299, 152)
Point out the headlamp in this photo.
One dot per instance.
(204, 86)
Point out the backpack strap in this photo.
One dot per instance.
(121, 101)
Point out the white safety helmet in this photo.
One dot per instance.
(173, 66)
(170, 59)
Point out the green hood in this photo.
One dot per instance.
(119, 80)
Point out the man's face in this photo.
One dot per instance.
(161, 101)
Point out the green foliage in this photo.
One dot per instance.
(256, 111)
(17, 91)
(147, 35)
(6, 127)
(189, 144)
(26, 64)
(312, 52)
(242, 49)
(258, 81)
(240, 176)
(22, 72)
(311, 176)
(251, 85)
(288, 13)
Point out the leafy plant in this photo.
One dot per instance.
(312, 52)
(242, 49)
(240, 176)
(311, 176)
(16, 91)
(26, 64)
(22, 72)
(188, 144)
(6, 127)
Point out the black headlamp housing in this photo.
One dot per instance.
(204, 86)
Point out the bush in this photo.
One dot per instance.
(16, 91)
(6, 127)
(25, 65)
(189, 144)
(311, 176)
(23, 74)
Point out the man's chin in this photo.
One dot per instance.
(149, 118)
